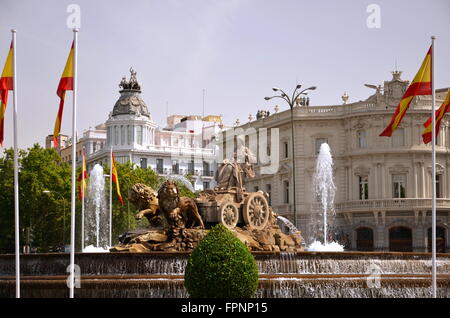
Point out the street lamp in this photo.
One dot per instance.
(64, 213)
(291, 101)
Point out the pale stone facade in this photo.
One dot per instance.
(185, 147)
(383, 184)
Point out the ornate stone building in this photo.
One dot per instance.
(383, 196)
(184, 147)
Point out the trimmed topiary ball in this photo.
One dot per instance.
(221, 266)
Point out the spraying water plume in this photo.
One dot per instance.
(324, 192)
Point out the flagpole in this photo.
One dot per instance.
(82, 200)
(74, 164)
(110, 196)
(433, 169)
(16, 169)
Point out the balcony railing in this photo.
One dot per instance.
(406, 204)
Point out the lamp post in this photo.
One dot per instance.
(291, 101)
(64, 213)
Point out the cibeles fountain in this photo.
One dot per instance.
(151, 262)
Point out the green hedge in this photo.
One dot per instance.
(221, 266)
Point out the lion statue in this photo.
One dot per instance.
(145, 199)
(179, 211)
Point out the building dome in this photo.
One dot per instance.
(130, 101)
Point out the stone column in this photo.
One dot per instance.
(415, 179)
(422, 185)
(447, 180)
(375, 192)
(350, 183)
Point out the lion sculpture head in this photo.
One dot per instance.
(143, 197)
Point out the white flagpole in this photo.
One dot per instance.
(82, 200)
(433, 169)
(16, 168)
(74, 164)
(110, 197)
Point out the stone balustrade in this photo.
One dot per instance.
(404, 204)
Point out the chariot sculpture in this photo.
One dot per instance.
(229, 202)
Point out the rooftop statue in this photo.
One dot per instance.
(132, 83)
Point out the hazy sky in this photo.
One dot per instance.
(235, 49)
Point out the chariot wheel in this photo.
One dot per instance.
(229, 215)
(256, 211)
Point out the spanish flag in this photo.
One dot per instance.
(6, 84)
(421, 85)
(65, 84)
(115, 177)
(439, 114)
(82, 177)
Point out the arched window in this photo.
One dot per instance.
(440, 239)
(364, 239)
(400, 239)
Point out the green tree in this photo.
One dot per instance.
(44, 192)
(7, 202)
(221, 266)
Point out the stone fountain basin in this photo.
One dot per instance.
(160, 274)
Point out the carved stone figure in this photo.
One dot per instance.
(133, 80)
(180, 212)
(231, 173)
(146, 201)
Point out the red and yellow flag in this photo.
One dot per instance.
(82, 177)
(115, 177)
(65, 84)
(439, 114)
(6, 84)
(421, 85)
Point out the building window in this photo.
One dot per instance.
(286, 192)
(399, 186)
(438, 186)
(191, 167)
(319, 142)
(398, 137)
(361, 139)
(286, 149)
(139, 134)
(159, 166)
(206, 185)
(269, 193)
(122, 128)
(108, 135)
(206, 171)
(143, 163)
(116, 135)
(175, 167)
(130, 134)
(363, 187)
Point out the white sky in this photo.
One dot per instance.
(235, 49)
